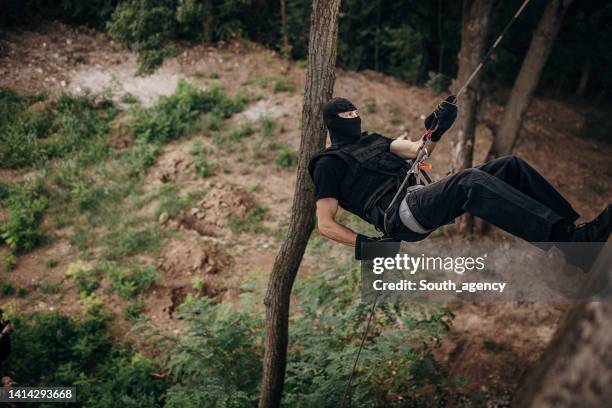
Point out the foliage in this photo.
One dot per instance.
(252, 221)
(9, 262)
(85, 275)
(217, 363)
(170, 201)
(24, 206)
(174, 115)
(33, 134)
(204, 166)
(286, 158)
(6, 289)
(55, 350)
(131, 281)
(146, 27)
(397, 359)
(130, 237)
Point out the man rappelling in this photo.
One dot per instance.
(363, 174)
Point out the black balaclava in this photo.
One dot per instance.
(342, 131)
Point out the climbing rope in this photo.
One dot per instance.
(363, 339)
(421, 155)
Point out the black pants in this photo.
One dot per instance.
(506, 192)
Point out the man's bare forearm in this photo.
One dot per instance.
(407, 149)
(339, 233)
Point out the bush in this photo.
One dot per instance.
(174, 115)
(203, 166)
(7, 289)
(131, 238)
(217, 363)
(286, 158)
(133, 310)
(24, 205)
(131, 282)
(32, 135)
(55, 350)
(85, 275)
(397, 358)
(9, 262)
(252, 222)
(145, 27)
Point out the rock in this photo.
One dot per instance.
(163, 218)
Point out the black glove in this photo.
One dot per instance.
(442, 118)
(386, 250)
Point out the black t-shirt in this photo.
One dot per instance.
(328, 175)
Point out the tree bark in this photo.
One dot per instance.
(320, 79)
(475, 25)
(576, 367)
(528, 77)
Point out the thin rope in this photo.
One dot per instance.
(493, 47)
(363, 339)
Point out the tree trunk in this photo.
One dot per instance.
(283, 13)
(576, 367)
(207, 24)
(475, 25)
(528, 77)
(318, 90)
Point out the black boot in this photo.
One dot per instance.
(598, 230)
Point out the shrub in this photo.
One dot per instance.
(217, 362)
(203, 166)
(252, 222)
(266, 127)
(146, 27)
(396, 360)
(24, 208)
(131, 282)
(133, 310)
(55, 350)
(128, 239)
(174, 115)
(286, 158)
(33, 135)
(283, 84)
(85, 275)
(170, 201)
(6, 289)
(189, 16)
(9, 262)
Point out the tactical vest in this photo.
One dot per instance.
(366, 161)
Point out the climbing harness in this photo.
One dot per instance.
(415, 172)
